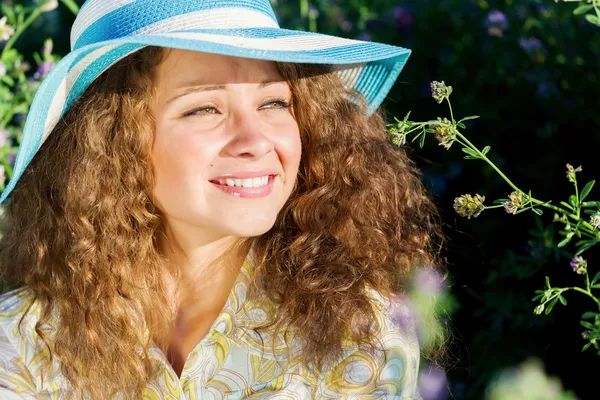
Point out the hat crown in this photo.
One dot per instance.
(101, 20)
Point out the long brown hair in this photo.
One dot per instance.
(80, 232)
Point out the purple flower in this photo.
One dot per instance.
(433, 384)
(531, 44)
(534, 48)
(579, 265)
(43, 70)
(429, 281)
(12, 157)
(401, 16)
(496, 23)
(595, 220)
(4, 135)
(402, 313)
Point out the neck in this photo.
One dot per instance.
(205, 269)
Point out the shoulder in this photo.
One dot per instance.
(388, 370)
(14, 306)
(19, 312)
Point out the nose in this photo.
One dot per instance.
(250, 139)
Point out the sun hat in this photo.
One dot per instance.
(106, 31)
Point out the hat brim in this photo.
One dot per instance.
(369, 67)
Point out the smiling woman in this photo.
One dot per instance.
(187, 224)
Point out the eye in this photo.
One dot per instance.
(206, 110)
(276, 104)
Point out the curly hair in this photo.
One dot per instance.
(81, 231)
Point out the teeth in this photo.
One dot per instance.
(249, 182)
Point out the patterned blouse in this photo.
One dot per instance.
(230, 362)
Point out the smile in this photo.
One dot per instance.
(248, 182)
(251, 188)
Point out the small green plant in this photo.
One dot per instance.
(580, 217)
(18, 81)
(590, 9)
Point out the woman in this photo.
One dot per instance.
(205, 220)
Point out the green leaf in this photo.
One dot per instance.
(8, 80)
(567, 205)
(461, 125)
(586, 346)
(583, 248)
(500, 201)
(548, 282)
(586, 324)
(589, 315)
(10, 14)
(562, 300)
(486, 149)
(564, 242)
(71, 5)
(469, 118)
(583, 9)
(551, 306)
(422, 141)
(573, 200)
(596, 286)
(586, 190)
(471, 158)
(593, 19)
(596, 277)
(470, 152)
(537, 211)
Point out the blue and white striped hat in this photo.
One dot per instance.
(105, 31)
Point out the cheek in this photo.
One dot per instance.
(291, 152)
(180, 160)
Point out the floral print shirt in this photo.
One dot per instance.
(230, 362)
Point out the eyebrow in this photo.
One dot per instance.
(193, 88)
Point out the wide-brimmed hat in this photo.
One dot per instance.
(105, 31)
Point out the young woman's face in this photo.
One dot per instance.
(227, 146)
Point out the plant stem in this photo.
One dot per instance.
(586, 292)
(36, 13)
(304, 7)
(451, 113)
(490, 163)
(467, 143)
(577, 198)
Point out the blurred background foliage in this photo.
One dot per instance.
(531, 70)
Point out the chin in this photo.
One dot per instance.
(251, 227)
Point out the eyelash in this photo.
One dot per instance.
(283, 105)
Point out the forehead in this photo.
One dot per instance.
(182, 66)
